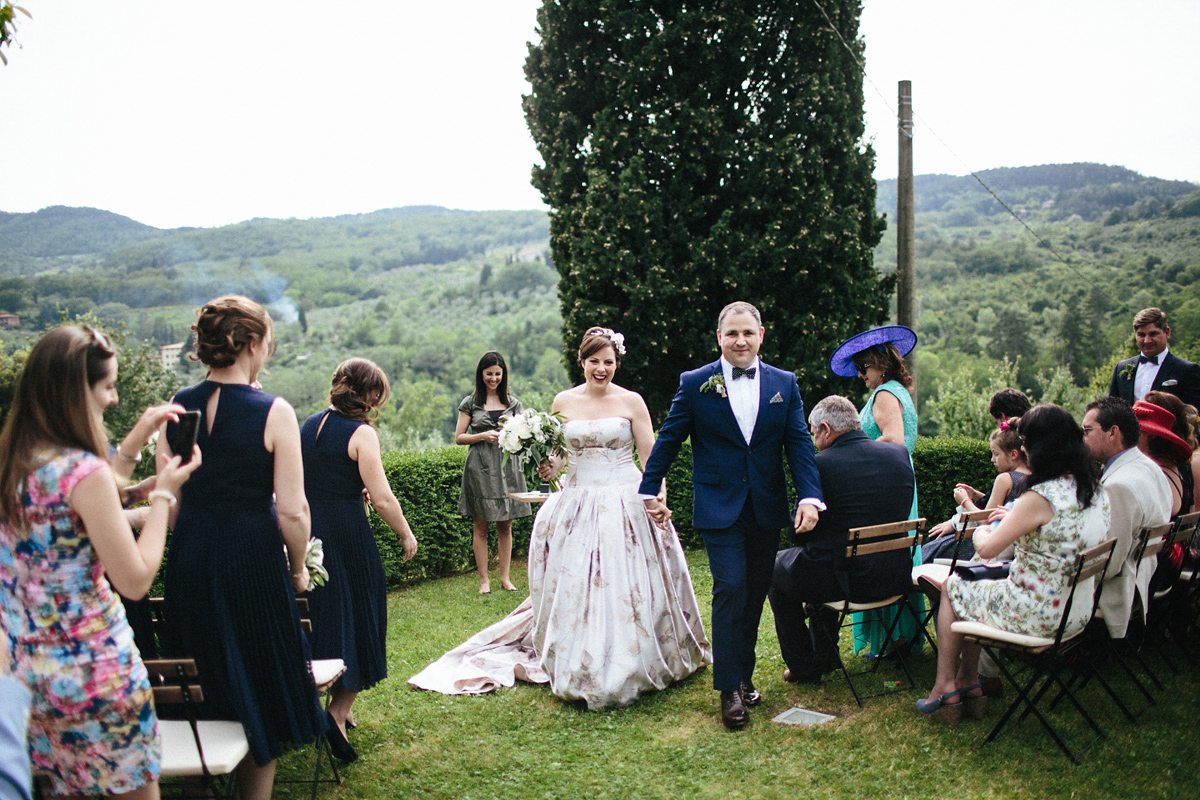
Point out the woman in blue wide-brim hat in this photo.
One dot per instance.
(877, 356)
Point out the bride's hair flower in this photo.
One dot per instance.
(617, 339)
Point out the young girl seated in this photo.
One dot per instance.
(1012, 470)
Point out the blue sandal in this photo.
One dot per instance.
(942, 710)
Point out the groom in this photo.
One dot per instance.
(741, 416)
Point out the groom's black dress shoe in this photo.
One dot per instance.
(750, 696)
(733, 711)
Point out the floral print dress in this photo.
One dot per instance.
(92, 726)
(1031, 599)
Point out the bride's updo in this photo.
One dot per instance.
(596, 339)
(225, 326)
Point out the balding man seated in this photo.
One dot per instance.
(866, 482)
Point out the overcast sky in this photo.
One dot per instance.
(179, 114)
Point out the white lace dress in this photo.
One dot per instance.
(611, 612)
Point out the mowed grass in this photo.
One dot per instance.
(524, 742)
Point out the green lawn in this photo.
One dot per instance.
(523, 742)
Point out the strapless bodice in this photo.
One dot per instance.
(600, 453)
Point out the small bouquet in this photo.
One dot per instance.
(314, 562)
(531, 437)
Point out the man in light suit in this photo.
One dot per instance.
(866, 482)
(1156, 367)
(742, 416)
(1139, 496)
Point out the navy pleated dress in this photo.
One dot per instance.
(229, 600)
(349, 613)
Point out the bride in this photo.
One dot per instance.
(611, 612)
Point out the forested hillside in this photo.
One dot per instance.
(425, 291)
(1052, 285)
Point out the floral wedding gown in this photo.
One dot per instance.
(611, 612)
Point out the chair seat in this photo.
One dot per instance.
(326, 671)
(938, 573)
(967, 628)
(224, 744)
(840, 605)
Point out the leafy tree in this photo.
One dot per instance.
(7, 26)
(1011, 340)
(697, 154)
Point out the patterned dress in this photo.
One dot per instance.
(92, 724)
(1030, 600)
(611, 612)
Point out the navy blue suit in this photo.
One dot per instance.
(1175, 376)
(867, 482)
(739, 498)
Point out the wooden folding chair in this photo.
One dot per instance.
(325, 671)
(863, 542)
(1045, 655)
(926, 577)
(1161, 605)
(195, 748)
(1148, 543)
(1186, 602)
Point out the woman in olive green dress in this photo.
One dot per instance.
(487, 480)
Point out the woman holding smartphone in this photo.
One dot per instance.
(65, 545)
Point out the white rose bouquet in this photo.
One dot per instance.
(314, 561)
(531, 437)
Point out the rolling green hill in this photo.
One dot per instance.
(425, 290)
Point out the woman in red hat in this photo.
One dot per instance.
(1167, 449)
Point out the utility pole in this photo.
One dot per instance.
(906, 253)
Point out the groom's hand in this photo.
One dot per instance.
(658, 511)
(806, 518)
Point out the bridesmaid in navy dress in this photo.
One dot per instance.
(349, 613)
(229, 596)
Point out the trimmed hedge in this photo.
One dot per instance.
(427, 484)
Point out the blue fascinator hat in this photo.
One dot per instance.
(842, 360)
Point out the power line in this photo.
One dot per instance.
(863, 72)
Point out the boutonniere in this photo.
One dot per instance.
(1130, 368)
(715, 384)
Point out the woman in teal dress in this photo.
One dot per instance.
(877, 356)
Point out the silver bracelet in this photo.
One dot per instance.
(164, 494)
(130, 459)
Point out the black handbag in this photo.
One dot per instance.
(981, 571)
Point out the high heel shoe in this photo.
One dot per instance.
(339, 745)
(974, 707)
(942, 710)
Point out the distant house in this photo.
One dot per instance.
(169, 355)
(9, 321)
(529, 254)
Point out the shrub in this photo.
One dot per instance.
(427, 484)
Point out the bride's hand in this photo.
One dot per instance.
(549, 468)
(658, 512)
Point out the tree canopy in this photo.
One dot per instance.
(697, 154)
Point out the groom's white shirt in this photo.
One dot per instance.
(743, 396)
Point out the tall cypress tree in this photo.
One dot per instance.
(700, 153)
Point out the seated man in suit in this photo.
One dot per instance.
(866, 483)
(1157, 367)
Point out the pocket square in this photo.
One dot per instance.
(1171, 382)
(778, 398)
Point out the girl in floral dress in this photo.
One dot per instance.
(92, 727)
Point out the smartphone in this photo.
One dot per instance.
(185, 437)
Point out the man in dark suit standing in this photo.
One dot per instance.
(742, 416)
(1156, 367)
(866, 482)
